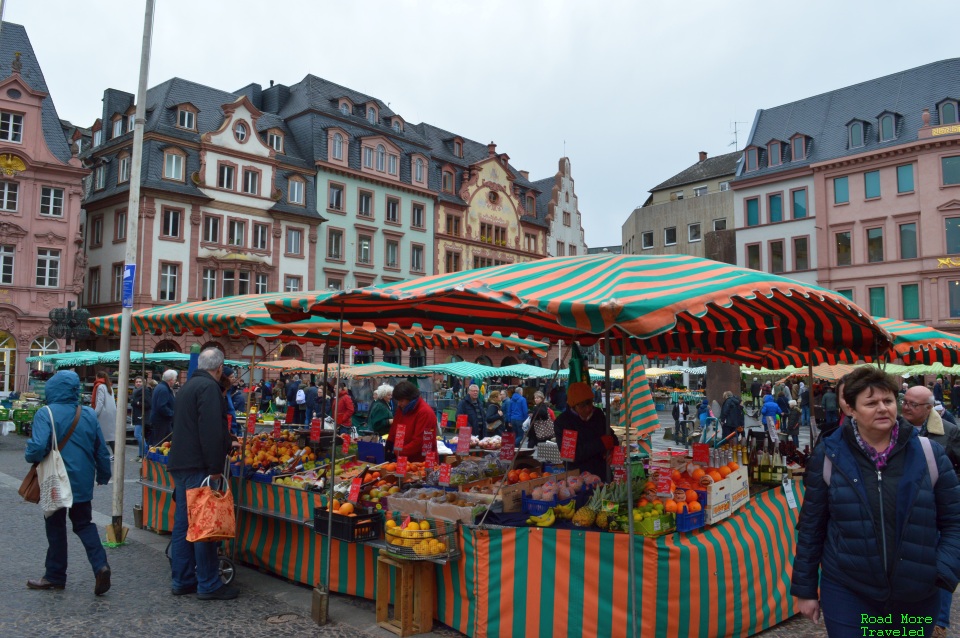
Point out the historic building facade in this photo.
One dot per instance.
(559, 199)
(41, 253)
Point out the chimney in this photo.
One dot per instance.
(525, 174)
(491, 149)
(703, 155)
(925, 118)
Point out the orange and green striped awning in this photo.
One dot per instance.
(675, 305)
(917, 344)
(246, 315)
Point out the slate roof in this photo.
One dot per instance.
(13, 39)
(708, 169)
(824, 118)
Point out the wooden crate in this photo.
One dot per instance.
(413, 595)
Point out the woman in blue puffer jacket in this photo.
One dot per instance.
(770, 409)
(879, 532)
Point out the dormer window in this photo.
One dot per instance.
(855, 130)
(240, 132)
(337, 146)
(344, 108)
(447, 184)
(275, 140)
(371, 115)
(774, 156)
(97, 138)
(418, 170)
(888, 128)
(531, 205)
(799, 148)
(397, 127)
(753, 159)
(948, 112)
(186, 119)
(131, 121)
(458, 148)
(118, 127)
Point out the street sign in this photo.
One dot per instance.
(129, 273)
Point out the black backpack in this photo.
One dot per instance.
(676, 411)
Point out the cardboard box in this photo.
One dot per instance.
(739, 488)
(719, 502)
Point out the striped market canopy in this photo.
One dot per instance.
(292, 365)
(380, 369)
(526, 371)
(918, 344)
(462, 370)
(672, 305)
(246, 315)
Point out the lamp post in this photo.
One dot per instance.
(69, 323)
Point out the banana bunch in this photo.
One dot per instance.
(544, 520)
(565, 512)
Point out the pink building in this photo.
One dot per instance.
(41, 255)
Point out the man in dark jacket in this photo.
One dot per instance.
(471, 407)
(955, 397)
(755, 388)
(200, 445)
(140, 406)
(312, 394)
(161, 416)
(731, 416)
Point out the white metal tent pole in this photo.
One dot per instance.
(130, 260)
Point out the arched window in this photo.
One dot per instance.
(381, 157)
(418, 357)
(240, 131)
(362, 356)
(42, 347)
(372, 115)
(213, 344)
(396, 126)
(291, 351)
(337, 146)
(948, 113)
(392, 356)
(856, 135)
(447, 182)
(484, 360)
(455, 358)
(887, 131)
(508, 361)
(345, 108)
(167, 345)
(419, 171)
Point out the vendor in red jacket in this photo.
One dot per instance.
(595, 439)
(345, 408)
(418, 417)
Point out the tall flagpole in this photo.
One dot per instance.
(129, 275)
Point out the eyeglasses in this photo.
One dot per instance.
(914, 406)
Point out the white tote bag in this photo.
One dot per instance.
(55, 491)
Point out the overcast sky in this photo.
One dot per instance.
(634, 89)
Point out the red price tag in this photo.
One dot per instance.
(276, 430)
(431, 459)
(701, 453)
(429, 439)
(445, 474)
(405, 521)
(354, 495)
(401, 465)
(401, 436)
(664, 481)
(461, 421)
(252, 424)
(507, 449)
(346, 444)
(619, 474)
(463, 439)
(315, 427)
(444, 418)
(568, 445)
(617, 457)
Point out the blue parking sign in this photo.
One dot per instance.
(129, 272)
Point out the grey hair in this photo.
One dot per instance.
(472, 386)
(169, 375)
(383, 391)
(210, 359)
(538, 394)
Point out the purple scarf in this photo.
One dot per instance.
(880, 458)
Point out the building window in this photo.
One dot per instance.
(452, 262)
(948, 113)
(393, 210)
(225, 176)
(211, 230)
(908, 241)
(416, 216)
(48, 267)
(6, 264)
(381, 157)
(775, 208)
(719, 224)
(251, 182)
(798, 201)
(260, 284)
(561, 252)
(905, 178)
(646, 239)
(874, 245)
(531, 205)
(116, 288)
(530, 242)
(275, 141)
(365, 204)
(228, 283)
(173, 166)
(392, 164)
(951, 170)
(371, 115)
(844, 248)
(335, 244)
(240, 132)
(753, 212)
(699, 191)
(397, 127)
(775, 158)
(123, 170)
(295, 191)
(393, 254)
(910, 302)
(335, 200)
(11, 127)
(693, 232)
(209, 284)
(753, 256)
(566, 218)
(261, 232)
(887, 128)
(171, 222)
(801, 254)
(337, 146)
(752, 159)
(878, 301)
(118, 127)
(97, 137)
(670, 236)
(291, 284)
(954, 287)
(447, 182)
(93, 287)
(453, 225)
(416, 258)
(364, 248)
(776, 257)
(841, 190)
(367, 157)
(724, 186)
(345, 108)
(236, 232)
(871, 185)
(418, 170)
(100, 178)
(458, 148)
(243, 282)
(676, 196)
(51, 201)
(799, 148)
(96, 231)
(856, 135)
(120, 226)
(185, 119)
(953, 235)
(294, 241)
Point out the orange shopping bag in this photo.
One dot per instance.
(210, 514)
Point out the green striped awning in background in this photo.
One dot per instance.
(462, 370)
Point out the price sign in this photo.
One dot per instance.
(431, 459)
(507, 449)
(405, 522)
(346, 444)
(252, 424)
(663, 481)
(229, 423)
(429, 439)
(276, 430)
(701, 453)
(444, 418)
(463, 439)
(619, 474)
(568, 445)
(401, 436)
(315, 427)
(461, 421)
(354, 494)
(445, 474)
(401, 465)
(617, 457)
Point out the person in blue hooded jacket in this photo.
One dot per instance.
(770, 410)
(87, 459)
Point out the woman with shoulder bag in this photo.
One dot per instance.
(494, 415)
(106, 408)
(541, 425)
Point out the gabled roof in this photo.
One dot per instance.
(710, 168)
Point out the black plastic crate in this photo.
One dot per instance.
(352, 529)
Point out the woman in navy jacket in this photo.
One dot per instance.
(884, 533)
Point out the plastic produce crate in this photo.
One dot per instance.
(352, 529)
(533, 507)
(690, 522)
